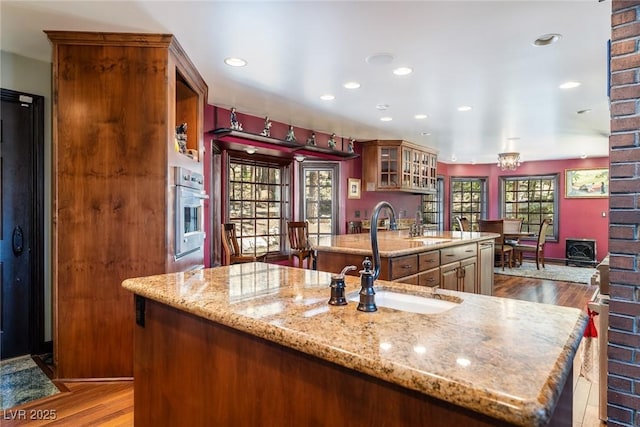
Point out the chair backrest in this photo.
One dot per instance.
(542, 233)
(298, 232)
(493, 226)
(354, 227)
(512, 225)
(463, 223)
(230, 242)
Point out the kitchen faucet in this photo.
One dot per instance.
(367, 276)
(374, 233)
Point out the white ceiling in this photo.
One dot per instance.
(476, 53)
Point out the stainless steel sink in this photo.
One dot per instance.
(411, 303)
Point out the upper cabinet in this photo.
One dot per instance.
(398, 166)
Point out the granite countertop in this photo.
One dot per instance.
(397, 243)
(505, 358)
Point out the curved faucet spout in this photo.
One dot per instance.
(374, 233)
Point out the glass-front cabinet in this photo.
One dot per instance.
(398, 166)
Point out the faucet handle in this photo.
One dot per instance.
(347, 268)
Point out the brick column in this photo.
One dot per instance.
(624, 245)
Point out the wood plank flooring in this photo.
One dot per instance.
(111, 403)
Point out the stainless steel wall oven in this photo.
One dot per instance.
(189, 221)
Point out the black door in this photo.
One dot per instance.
(21, 322)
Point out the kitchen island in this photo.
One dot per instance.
(257, 344)
(459, 261)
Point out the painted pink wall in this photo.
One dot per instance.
(578, 218)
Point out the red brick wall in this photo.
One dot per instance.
(624, 243)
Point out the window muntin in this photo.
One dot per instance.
(258, 202)
(532, 198)
(433, 207)
(468, 199)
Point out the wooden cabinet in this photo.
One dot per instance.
(466, 267)
(117, 99)
(398, 166)
(485, 267)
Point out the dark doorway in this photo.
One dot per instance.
(22, 231)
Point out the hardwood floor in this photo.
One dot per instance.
(111, 403)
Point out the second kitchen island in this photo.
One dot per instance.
(458, 261)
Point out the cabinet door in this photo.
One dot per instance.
(485, 269)
(449, 276)
(389, 167)
(468, 275)
(407, 159)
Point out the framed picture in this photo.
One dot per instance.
(586, 183)
(353, 188)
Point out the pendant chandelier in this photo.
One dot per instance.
(509, 161)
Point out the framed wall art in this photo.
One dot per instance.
(586, 183)
(353, 191)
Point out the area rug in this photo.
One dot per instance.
(559, 273)
(22, 381)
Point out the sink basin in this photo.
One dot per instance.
(410, 303)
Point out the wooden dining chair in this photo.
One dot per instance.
(512, 226)
(298, 232)
(231, 249)
(463, 223)
(497, 226)
(354, 227)
(537, 249)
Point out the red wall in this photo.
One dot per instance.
(578, 218)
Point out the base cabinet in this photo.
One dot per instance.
(467, 267)
(459, 276)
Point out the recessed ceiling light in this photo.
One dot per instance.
(425, 133)
(547, 39)
(386, 119)
(327, 97)
(454, 158)
(583, 155)
(569, 85)
(381, 58)
(586, 111)
(420, 116)
(402, 71)
(250, 150)
(513, 138)
(382, 107)
(464, 108)
(352, 85)
(235, 62)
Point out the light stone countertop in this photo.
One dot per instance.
(397, 243)
(505, 358)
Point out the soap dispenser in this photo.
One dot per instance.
(337, 287)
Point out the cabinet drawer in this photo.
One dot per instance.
(429, 278)
(428, 260)
(410, 280)
(403, 266)
(457, 253)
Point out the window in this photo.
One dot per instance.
(320, 189)
(468, 199)
(433, 207)
(258, 204)
(532, 198)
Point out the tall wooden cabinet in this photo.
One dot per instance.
(117, 99)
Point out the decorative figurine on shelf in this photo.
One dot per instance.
(181, 138)
(290, 135)
(312, 139)
(235, 124)
(332, 141)
(350, 145)
(266, 131)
